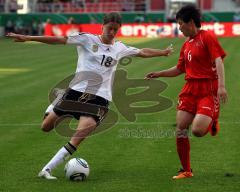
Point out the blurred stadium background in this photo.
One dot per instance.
(36, 16)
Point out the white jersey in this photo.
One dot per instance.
(97, 63)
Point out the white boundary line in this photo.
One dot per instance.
(119, 123)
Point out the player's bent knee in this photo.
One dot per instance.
(198, 133)
(46, 127)
(182, 126)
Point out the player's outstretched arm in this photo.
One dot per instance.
(222, 92)
(148, 52)
(172, 72)
(43, 39)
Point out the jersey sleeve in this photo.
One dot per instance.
(181, 63)
(128, 51)
(213, 46)
(77, 38)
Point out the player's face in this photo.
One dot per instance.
(110, 30)
(187, 29)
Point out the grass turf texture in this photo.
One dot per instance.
(118, 161)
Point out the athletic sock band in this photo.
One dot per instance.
(70, 148)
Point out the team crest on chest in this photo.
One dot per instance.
(95, 48)
(197, 44)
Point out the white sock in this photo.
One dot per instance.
(50, 108)
(62, 155)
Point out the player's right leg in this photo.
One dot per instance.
(86, 125)
(63, 153)
(48, 110)
(184, 120)
(49, 122)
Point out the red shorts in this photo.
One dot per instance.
(200, 97)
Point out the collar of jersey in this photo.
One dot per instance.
(191, 38)
(99, 37)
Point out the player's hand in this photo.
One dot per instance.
(222, 94)
(168, 51)
(152, 75)
(17, 37)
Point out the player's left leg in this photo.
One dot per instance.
(214, 127)
(85, 127)
(200, 125)
(207, 116)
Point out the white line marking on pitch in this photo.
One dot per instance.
(118, 123)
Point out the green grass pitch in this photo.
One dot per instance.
(118, 161)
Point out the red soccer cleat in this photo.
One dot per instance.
(183, 174)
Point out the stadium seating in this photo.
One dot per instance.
(72, 6)
(223, 5)
(2, 5)
(91, 6)
(98, 6)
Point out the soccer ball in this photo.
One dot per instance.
(76, 169)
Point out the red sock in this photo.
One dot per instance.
(183, 149)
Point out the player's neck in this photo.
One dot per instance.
(195, 32)
(105, 40)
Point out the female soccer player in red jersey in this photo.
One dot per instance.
(201, 59)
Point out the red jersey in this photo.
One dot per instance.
(198, 54)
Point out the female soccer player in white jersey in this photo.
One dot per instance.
(97, 55)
